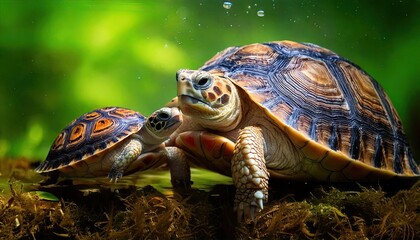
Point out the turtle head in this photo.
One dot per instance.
(208, 97)
(161, 124)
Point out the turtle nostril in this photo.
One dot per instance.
(179, 76)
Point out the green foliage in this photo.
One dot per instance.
(60, 59)
(47, 196)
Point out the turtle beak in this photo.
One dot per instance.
(189, 95)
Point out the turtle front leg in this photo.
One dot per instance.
(123, 158)
(179, 168)
(249, 173)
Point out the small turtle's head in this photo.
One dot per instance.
(162, 123)
(209, 98)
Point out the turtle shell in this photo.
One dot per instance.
(323, 102)
(91, 134)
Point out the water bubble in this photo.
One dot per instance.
(260, 13)
(227, 5)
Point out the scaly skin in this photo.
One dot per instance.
(129, 153)
(249, 173)
(244, 161)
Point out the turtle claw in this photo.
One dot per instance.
(114, 175)
(113, 180)
(246, 212)
(259, 197)
(248, 203)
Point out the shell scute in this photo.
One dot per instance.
(77, 134)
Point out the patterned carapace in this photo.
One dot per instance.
(326, 97)
(90, 134)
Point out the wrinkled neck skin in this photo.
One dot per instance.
(225, 121)
(149, 140)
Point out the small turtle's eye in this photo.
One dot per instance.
(163, 116)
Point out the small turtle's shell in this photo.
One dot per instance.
(323, 102)
(91, 134)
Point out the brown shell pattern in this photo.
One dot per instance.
(324, 96)
(91, 134)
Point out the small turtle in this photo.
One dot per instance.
(292, 111)
(111, 141)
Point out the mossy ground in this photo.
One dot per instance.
(295, 211)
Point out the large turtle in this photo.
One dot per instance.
(288, 110)
(112, 141)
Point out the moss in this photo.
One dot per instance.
(24, 215)
(127, 212)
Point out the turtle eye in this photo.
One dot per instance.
(163, 116)
(203, 82)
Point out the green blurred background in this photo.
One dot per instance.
(60, 59)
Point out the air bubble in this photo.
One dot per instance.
(227, 5)
(260, 13)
